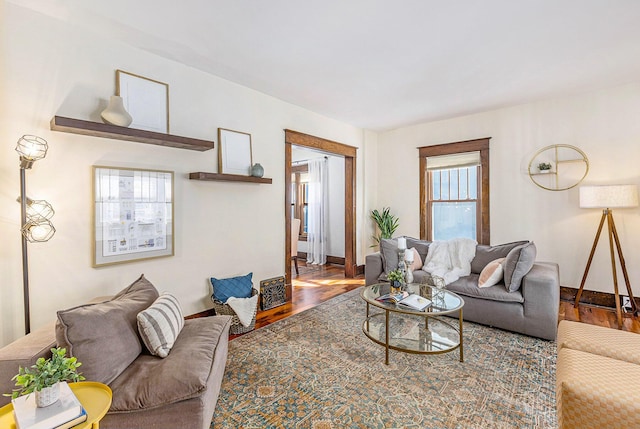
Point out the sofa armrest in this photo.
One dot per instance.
(541, 292)
(373, 267)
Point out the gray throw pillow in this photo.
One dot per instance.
(422, 246)
(486, 254)
(389, 252)
(104, 336)
(517, 264)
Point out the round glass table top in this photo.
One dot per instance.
(442, 300)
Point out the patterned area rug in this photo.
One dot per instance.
(318, 370)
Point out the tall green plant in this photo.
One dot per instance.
(386, 222)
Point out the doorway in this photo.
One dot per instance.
(295, 138)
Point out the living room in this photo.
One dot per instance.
(54, 65)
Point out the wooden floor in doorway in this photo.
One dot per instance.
(317, 284)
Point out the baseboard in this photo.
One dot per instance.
(337, 260)
(359, 270)
(591, 297)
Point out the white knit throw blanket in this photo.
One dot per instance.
(450, 259)
(245, 308)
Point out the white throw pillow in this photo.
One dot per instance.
(160, 324)
(492, 273)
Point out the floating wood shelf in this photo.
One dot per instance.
(228, 177)
(97, 129)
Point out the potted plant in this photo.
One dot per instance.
(396, 278)
(386, 222)
(44, 377)
(544, 167)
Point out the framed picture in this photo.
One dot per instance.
(235, 152)
(146, 100)
(132, 215)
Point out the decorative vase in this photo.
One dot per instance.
(115, 113)
(48, 395)
(257, 170)
(409, 275)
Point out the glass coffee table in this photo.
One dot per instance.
(404, 329)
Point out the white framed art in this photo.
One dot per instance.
(234, 152)
(146, 100)
(132, 214)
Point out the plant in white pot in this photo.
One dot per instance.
(44, 377)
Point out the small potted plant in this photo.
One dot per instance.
(396, 278)
(544, 167)
(44, 377)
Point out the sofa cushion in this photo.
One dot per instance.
(238, 287)
(517, 264)
(468, 286)
(150, 382)
(160, 324)
(486, 254)
(104, 336)
(389, 252)
(491, 274)
(417, 259)
(422, 246)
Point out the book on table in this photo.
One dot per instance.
(415, 302)
(30, 416)
(393, 297)
(74, 422)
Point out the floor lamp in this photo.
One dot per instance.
(35, 225)
(607, 197)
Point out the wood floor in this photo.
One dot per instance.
(315, 285)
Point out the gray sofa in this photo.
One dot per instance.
(180, 390)
(532, 309)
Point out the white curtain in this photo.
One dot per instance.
(317, 212)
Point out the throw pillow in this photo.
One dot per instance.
(238, 287)
(517, 264)
(491, 274)
(389, 251)
(160, 324)
(104, 336)
(417, 260)
(486, 254)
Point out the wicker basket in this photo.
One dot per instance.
(236, 326)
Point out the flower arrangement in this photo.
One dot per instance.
(544, 166)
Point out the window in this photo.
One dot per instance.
(299, 192)
(454, 188)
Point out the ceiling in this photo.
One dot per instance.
(383, 64)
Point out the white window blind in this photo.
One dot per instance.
(456, 160)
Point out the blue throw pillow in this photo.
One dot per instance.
(238, 287)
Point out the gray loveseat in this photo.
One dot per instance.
(179, 391)
(531, 309)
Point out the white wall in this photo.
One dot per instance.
(335, 208)
(222, 229)
(603, 124)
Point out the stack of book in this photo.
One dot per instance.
(65, 413)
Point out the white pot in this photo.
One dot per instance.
(115, 113)
(48, 395)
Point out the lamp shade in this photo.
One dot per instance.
(608, 196)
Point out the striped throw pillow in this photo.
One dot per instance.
(160, 324)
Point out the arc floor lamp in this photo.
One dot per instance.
(608, 197)
(35, 225)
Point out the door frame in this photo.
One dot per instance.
(349, 153)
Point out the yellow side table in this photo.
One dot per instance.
(94, 397)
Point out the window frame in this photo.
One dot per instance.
(477, 145)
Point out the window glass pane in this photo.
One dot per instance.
(305, 191)
(435, 183)
(305, 224)
(453, 184)
(473, 183)
(464, 183)
(444, 189)
(454, 220)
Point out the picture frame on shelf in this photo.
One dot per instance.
(146, 100)
(132, 214)
(234, 155)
